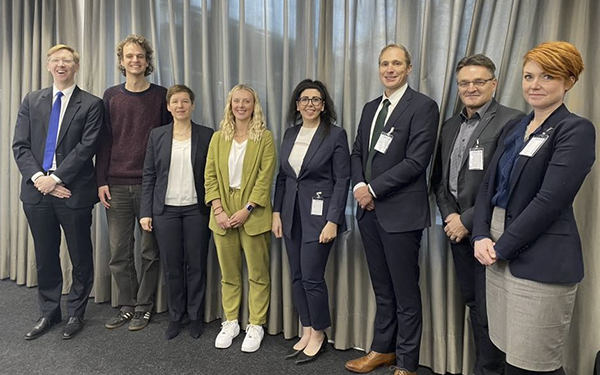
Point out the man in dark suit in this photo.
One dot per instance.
(466, 146)
(393, 147)
(54, 143)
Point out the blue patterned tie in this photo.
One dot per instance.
(52, 133)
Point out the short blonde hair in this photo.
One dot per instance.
(560, 59)
(257, 121)
(399, 46)
(58, 47)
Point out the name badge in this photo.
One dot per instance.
(316, 208)
(383, 143)
(476, 158)
(534, 144)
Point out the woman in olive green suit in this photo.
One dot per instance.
(238, 178)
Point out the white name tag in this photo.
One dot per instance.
(533, 146)
(384, 141)
(316, 208)
(476, 159)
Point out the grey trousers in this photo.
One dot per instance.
(136, 292)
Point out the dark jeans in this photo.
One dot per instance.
(183, 235)
(471, 278)
(123, 216)
(45, 220)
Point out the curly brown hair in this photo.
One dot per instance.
(142, 42)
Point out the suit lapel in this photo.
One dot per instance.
(315, 143)
(400, 108)
(286, 148)
(166, 145)
(370, 115)
(249, 160)
(557, 116)
(225, 151)
(72, 108)
(46, 108)
(195, 143)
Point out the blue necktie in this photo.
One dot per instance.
(52, 133)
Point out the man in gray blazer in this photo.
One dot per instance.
(55, 140)
(466, 146)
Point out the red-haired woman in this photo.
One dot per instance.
(524, 227)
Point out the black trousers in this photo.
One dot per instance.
(45, 220)
(471, 278)
(308, 261)
(182, 234)
(393, 260)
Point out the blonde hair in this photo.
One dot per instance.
(58, 47)
(398, 46)
(257, 121)
(560, 59)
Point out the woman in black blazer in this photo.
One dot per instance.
(309, 208)
(172, 194)
(524, 227)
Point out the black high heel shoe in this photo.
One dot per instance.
(303, 358)
(292, 353)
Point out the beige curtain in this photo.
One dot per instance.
(272, 45)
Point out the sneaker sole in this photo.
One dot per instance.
(137, 328)
(113, 326)
(225, 347)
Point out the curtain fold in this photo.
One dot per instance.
(272, 45)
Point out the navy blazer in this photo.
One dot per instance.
(489, 129)
(76, 144)
(158, 162)
(540, 238)
(398, 176)
(325, 168)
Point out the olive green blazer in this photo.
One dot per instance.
(257, 180)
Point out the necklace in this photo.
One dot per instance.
(179, 134)
(241, 135)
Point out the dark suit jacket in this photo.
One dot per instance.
(326, 168)
(158, 162)
(398, 176)
(75, 147)
(540, 239)
(487, 132)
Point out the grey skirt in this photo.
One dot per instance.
(528, 320)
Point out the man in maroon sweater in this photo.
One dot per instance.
(132, 110)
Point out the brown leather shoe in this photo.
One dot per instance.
(370, 362)
(401, 371)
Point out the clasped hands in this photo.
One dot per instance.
(235, 221)
(485, 252)
(47, 185)
(363, 197)
(454, 228)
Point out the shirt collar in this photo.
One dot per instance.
(480, 112)
(66, 92)
(396, 96)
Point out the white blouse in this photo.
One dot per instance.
(236, 163)
(300, 148)
(181, 188)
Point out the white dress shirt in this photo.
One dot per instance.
(181, 188)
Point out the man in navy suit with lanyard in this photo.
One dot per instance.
(393, 147)
(54, 143)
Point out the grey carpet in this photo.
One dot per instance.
(97, 350)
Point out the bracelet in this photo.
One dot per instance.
(218, 213)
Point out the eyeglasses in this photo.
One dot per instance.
(316, 101)
(476, 83)
(63, 61)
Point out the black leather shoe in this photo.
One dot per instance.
(196, 328)
(173, 330)
(73, 326)
(292, 353)
(303, 358)
(41, 326)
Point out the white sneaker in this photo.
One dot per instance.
(254, 336)
(229, 330)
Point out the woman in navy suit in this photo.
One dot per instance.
(309, 208)
(172, 195)
(524, 227)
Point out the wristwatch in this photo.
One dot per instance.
(250, 207)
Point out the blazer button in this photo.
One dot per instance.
(508, 216)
